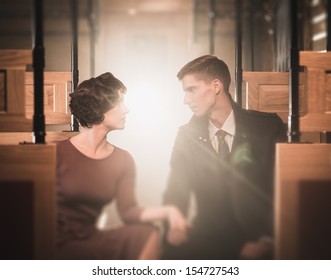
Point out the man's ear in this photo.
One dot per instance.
(217, 86)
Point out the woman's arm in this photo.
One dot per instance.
(178, 225)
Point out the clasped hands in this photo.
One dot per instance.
(178, 227)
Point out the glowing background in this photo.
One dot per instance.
(146, 50)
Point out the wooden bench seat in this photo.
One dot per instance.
(269, 92)
(302, 201)
(27, 176)
(17, 93)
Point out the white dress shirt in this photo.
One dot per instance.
(229, 127)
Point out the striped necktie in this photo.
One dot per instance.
(223, 148)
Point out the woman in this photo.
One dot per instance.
(91, 172)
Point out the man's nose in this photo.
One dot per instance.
(187, 99)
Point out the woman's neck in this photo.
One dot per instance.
(92, 143)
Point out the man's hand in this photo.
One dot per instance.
(258, 250)
(178, 227)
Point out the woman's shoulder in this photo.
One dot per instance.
(122, 152)
(61, 143)
(123, 158)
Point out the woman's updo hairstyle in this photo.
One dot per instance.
(94, 97)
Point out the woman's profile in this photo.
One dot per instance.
(91, 172)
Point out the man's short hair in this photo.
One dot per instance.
(207, 68)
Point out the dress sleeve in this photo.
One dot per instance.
(127, 205)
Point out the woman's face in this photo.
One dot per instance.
(115, 117)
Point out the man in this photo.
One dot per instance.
(228, 173)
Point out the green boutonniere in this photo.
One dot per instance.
(242, 156)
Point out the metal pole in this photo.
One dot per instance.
(293, 133)
(92, 17)
(328, 48)
(74, 55)
(196, 5)
(212, 16)
(328, 43)
(238, 71)
(252, 8)
(38, 73)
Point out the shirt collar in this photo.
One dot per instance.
(228, 126)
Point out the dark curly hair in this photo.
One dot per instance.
(94, 97)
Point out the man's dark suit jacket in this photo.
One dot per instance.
(234, 198)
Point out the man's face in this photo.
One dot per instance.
(199, 96)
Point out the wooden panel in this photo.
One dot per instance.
(57, 86)
(13, 64)
(37, 164)
(314, 214)
(15, 59)
(16, 93)
(269, 92)
(328, 92)
(2, 91)
(21, 137)
(16, 240)
(302, 170)
(13, 118)
(318, 117)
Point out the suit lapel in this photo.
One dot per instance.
(241, 134)
(200, 134)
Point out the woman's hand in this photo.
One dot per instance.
(178, 225)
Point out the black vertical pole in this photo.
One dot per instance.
(74, 56)
(38, 73)
(212, 17)
(328, 48)
(238, 71)
(328, 42)
(293, 133)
